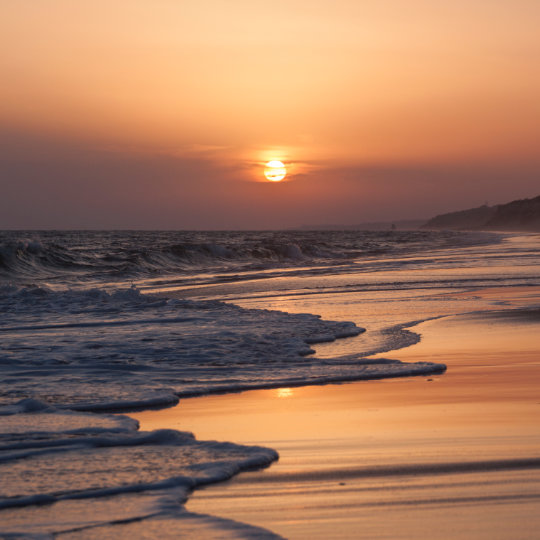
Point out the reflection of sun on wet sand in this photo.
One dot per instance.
(450, 456)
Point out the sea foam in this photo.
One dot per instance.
(97, 350)
(52, 459)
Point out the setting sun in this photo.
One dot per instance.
(275, 171)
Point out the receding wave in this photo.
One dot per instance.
(94, 350)
(100, 471)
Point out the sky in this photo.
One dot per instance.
(161, 114)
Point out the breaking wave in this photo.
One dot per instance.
(85, 256)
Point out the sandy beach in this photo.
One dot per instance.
(449, 456)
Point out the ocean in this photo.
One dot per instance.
(97, 324)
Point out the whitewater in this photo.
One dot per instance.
(95, 323)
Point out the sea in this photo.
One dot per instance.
(95, 324)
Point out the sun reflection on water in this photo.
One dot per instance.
(284, 392)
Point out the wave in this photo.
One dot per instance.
(112, 256)
(119, 350)
(97, 471)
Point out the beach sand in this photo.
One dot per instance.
(450, 456)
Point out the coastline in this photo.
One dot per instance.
(440, 455)
(143, 351)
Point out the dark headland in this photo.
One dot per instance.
(520, 215)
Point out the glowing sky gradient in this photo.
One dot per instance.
(162, 113)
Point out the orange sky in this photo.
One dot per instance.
(162, 112)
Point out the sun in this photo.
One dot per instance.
(275, 171)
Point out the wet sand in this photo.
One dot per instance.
(449, 456)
